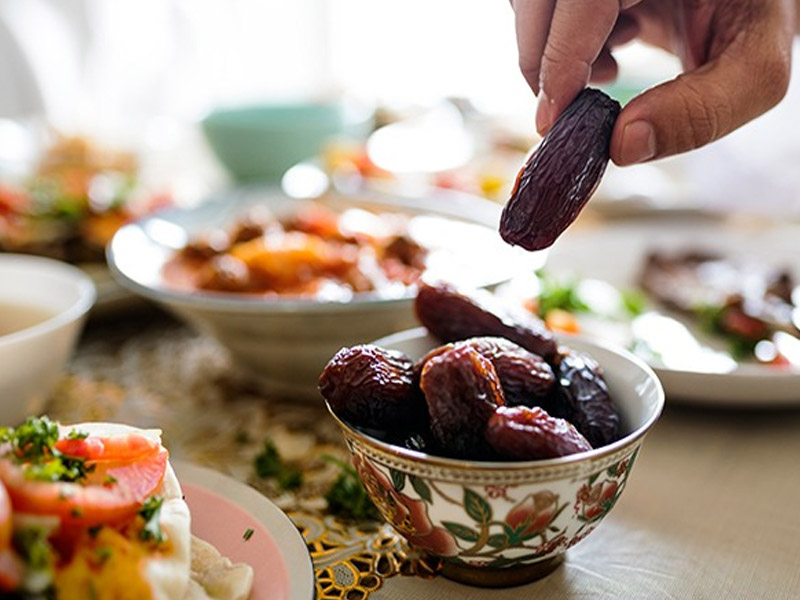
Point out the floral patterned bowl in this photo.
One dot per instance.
(505, 523)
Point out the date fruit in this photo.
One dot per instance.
(451, 314)
(462, 391)
(372, 387)
(584, 397)
(562, 173)
(522, 433)
(525, 377)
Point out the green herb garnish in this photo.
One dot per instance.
(93, 531)
(347, 497)
(634, 301)
(32, 445)
(557, 294)
(58, 468)
(711, 318)
(32, 440)
(248, 534)
(151, 513)
(269, 465)
(33, 547)
(103, 554)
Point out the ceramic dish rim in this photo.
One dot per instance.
(511, 466)
(87, 294)
(196, 474)
(238, 303)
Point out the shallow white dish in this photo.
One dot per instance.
(286, 342)
(32, 359)
(615, 253)
(223, 509)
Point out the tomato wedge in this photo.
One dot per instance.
(5, 519)
(128, 469)
(11, 569)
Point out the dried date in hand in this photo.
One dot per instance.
(562, 172)
(451, 314)
(373, 387)
(522, 433)
(525, 377)
(584, 397)
(462, 392)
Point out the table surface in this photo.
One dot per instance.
(710, 510)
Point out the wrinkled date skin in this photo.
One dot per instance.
(526, 378)
(372, 387)
(451, 315)
(462, 391)
(585, 400)
(562, 172)
(522, 433)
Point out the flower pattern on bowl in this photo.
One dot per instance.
(492, 525)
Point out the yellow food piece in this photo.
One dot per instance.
(491, 185)
(287, 257)
(108, 566)
(561, 320)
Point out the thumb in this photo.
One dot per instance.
(700, 106)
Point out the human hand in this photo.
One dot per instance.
(736, 56)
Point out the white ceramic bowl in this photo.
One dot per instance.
(33, 358)
(497, 524)
(286, 342)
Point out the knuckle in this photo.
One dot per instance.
(557, 52)
(708, 114)
(775, 75)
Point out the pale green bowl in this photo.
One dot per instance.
(260, 142)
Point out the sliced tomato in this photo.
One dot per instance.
(5, 519)
(128, 469)
(11, 568)
(11, 571)
(130, 447)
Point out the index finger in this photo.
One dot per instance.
(532, 23)
(578, 32)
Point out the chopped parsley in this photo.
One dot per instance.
(556, 294)
(32, 445)
(269, 465)
(33, 547)
(32, 440)
(151, 513)
(347, 497)
(248, 534)
(102, 554)
(93, 531)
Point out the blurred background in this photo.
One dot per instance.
(154, 76)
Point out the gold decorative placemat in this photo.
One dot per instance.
(157, 373)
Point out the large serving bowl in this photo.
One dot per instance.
(285, 342)
(506, 523)
(54, 299)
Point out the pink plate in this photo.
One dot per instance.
(223, 509)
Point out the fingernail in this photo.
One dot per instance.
(638, 142)
(544, 114)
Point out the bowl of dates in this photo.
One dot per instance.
(489, 455)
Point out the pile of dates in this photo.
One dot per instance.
(500, 388)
